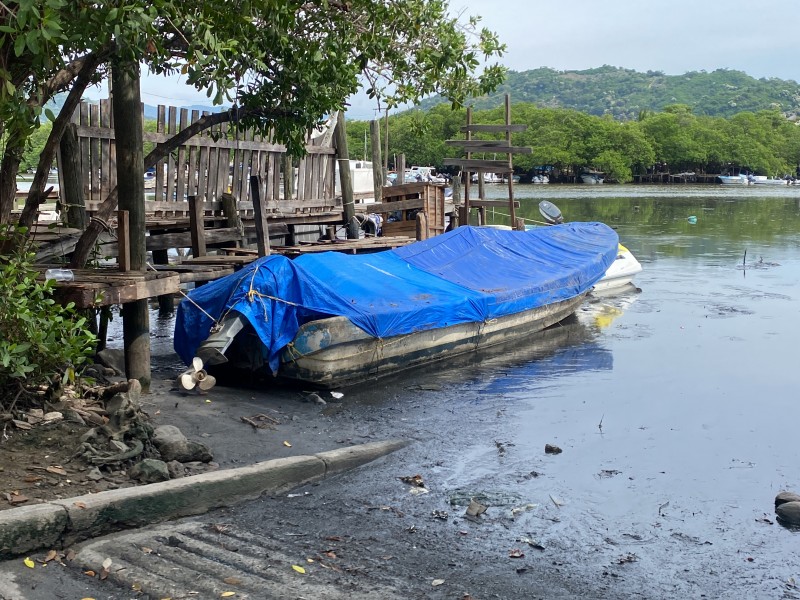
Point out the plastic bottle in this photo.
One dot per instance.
(59, 274)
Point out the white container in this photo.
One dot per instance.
(59, 274)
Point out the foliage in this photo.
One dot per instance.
(286, 63)
(624, 93)
(674, 140)
(40, 337)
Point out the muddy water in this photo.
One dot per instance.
(675, 406)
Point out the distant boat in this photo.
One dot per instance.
(764, 180)
(540, 179)
(740, 179)
(592, 178)
(488, 178)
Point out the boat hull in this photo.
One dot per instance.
(620, 273)
(333, 352)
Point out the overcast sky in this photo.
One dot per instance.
(676, 36)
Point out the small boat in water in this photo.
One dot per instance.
(591, 178)
(733, 179)
(333, 319)
(764, 180)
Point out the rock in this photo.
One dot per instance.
(95, 474)
(150, 470)
(89, 436)
(176, 469)
(784, 497)
(112, 358)
(173, 445)
(552, 449)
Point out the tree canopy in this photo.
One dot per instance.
(677, 140)
(285, 64)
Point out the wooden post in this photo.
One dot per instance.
(70, 173)
(467, 175)
(377, 167)
(512, 210)
(422, 226)
(166, 305)
(401, 169)
(197, 224)
(232, 216)
(343, 158)
(260, 217)
(123, 240)
(128, 120)
(454, 216)
(288, 177)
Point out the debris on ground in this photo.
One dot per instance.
(475, 508)
(415, 480)
(552, 449)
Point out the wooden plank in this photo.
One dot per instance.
(88, 296)
(183, 239)
(194, 157)
(183, 158)
(479, 166)
(501, 146)
(94, 154)
(493, 128)
(385, 207)
(106, 165)
(172, 124)
(161, 119)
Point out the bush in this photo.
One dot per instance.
(39, 337)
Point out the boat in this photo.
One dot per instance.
(540, 179)
(488, 178)
(621, 272)
(764, 180)
(740, 179)
(591, 178)
(332, 319)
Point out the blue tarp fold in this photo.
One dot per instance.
(467, 275)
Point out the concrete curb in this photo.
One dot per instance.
(63, 522)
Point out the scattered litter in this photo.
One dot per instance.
(56, 470)
(475, 508)
(29, 563)
(437, 582)
(415, 480)
(605, 473)
(552, 449)
(287, 444)
(442, 515)
(531, 542)
(556, 501)
(628, 558)
(416, 491)
(298, 569)
(260, 421)
(516, 553)
(337, 395)
(692, 219)
(662, 507)
(298, 495)
(518, 510)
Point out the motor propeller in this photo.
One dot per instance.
(196, 377)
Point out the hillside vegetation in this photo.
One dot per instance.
(624, 93)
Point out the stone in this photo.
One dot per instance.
(789, 513)
(150, 470)
(173, 445)
(784, 497)
(95, 474)
(176, 469)
(552, 449)
(112, 358)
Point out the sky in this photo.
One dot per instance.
(674, 37)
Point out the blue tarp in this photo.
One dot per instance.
(467, 275)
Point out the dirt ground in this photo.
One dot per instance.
(40, 464)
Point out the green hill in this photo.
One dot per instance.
(624, 93)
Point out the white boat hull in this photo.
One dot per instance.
(620, 273)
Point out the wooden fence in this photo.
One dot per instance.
(209, 164)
